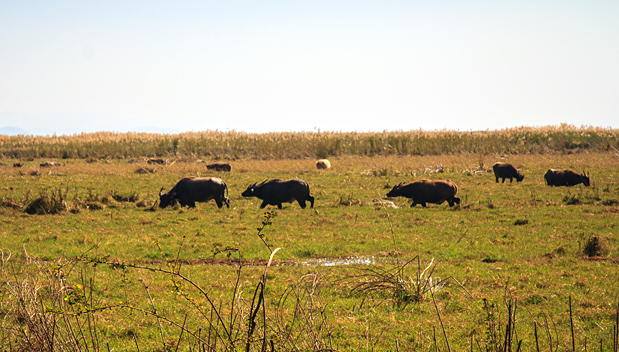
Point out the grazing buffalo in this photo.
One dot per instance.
(156, 161)
(49, 164)
(190, 190)
(565, 178)
(18, 164)
(505, 170)
(219, 167)
(427, 191)
(323, 164)
(276, 192)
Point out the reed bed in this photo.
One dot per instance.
(302, 145)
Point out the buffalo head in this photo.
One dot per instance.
(166, 199)
(585, 179)
(396, 191)
(249, 192)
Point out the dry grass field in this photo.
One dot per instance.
(242, 146)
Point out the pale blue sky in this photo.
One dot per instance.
(300, 66)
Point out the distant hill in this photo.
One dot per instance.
(12, 131)
(60, 123)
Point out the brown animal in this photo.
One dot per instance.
(156, 161)
(219, 167)
(505, 170)
(565, 178)
(427, 191)
(18, 164)
(190, 190)
(49, 164)
(323, 164)
(276, 192)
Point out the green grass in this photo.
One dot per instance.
(522, 241)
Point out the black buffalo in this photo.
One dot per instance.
(276, 192)
(219, 167)
(565, 178)
(156, 161)
(190, 190)
(505, 170)
(427, 191)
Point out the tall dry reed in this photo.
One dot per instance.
(300, 145)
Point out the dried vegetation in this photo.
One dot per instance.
(158, 148)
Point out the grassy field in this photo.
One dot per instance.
(349, 274)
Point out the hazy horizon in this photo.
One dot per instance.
(330, 66)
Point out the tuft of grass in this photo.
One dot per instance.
(595, 247)
(489, 259)
(571, 200)
(47, 203)
(123, 197)
(348, 201)
(402, 289)
(144, 171)
(610, 202)
(306, 253)
(11, 203)
(95, 205)
(520, 222)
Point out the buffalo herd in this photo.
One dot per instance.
(190, 190)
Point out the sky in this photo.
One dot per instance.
(270, 66)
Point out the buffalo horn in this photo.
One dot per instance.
(160, 191)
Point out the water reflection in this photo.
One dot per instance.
(340, 261)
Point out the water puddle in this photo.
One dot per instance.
(340, 261)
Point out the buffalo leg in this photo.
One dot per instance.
(311, 200)
(186, 202)
(301, 203)
(279, 205)
(413, 204)
(225, 200)
(497, 179)
(263, 205)
(503, 180)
